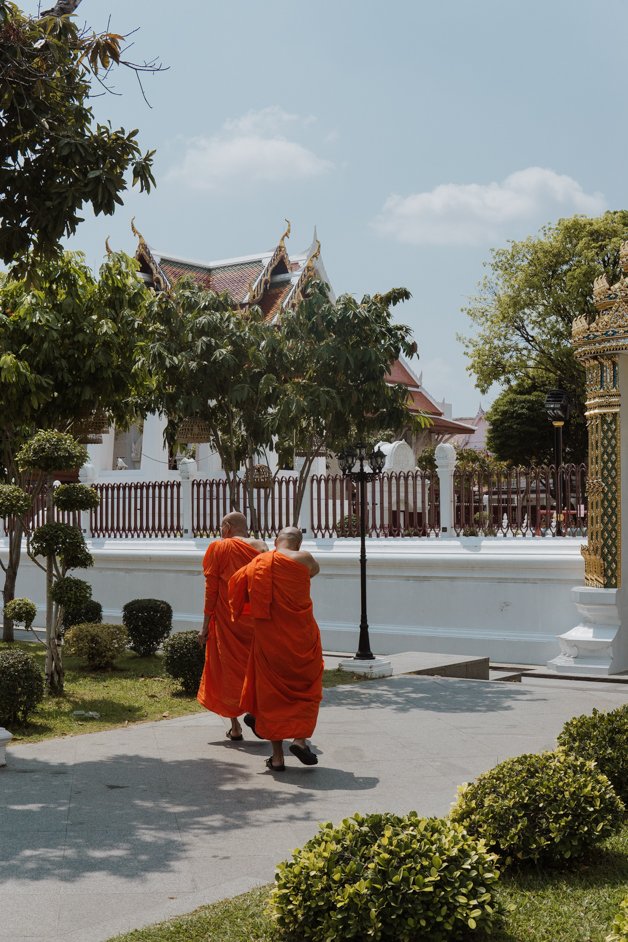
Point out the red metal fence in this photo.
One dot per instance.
(272, 507)
(138, 508)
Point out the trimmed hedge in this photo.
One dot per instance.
(388, 878)
(76, 497)
(602, 737)
(21, 686)
(22, 611)
(148, 622)
(91, 611)
(71, 592)
(184, 659)
(547, 807)
(97, 642)
(620, 924)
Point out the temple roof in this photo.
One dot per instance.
(421, 401)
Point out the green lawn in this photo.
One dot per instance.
(577, 905)
(135, 691)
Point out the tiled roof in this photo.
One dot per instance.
(441, 424)
(422, 403)
(271, 300)
(234, 279)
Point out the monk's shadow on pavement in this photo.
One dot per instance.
(322, 778)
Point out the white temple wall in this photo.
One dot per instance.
(505, 598)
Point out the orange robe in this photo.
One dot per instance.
(284, 678)
(228, 641)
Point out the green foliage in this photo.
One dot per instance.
(22, 611)
(62, 540)
(76, 497)
(21, 686)
(91, 611)
(70, 592)
(51, 451)
(13, 501)
(55, 156)
(184, 659)
(619, 927)
(467, 459)
(519, 429)
(386, 877)
(548, 807)
(148, 622)
(602, 737)
(98, 643)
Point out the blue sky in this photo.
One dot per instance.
(416, 136)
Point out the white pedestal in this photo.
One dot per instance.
(595, 645)
(378, 667)
(5, 739)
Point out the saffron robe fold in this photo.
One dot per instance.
(284, 679)
(228, 641)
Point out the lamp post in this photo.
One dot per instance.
(557, 408)
(376, 460)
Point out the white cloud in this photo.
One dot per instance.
(476, 213)
(250, 148)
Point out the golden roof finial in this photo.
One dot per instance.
(136, 232)
(286, 234)
(108, 248)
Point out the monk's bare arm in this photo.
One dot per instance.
(259, 545)
(302, 556)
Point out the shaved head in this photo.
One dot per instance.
(236, 523)
(290, 537)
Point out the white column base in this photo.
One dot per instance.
(593, 646)
(5, 739)
(378, 667)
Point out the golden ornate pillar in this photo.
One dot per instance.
(599, 644)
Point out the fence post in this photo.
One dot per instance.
(445, 464)
(305, 514)
(87, 475)
(187, 470)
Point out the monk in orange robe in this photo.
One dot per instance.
(227, 642)
(284, 680)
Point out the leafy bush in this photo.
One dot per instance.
(620, 924)
(349, 526)
(602, 737)
(76, 497)
(386, 877)
(91, 611)
(148, 622)
(184, 659)
(62, 540)
(99, 643)
(13, 501)
(70, 592)
(22, 611)
(21, 686)
(49, 450)
(547, 807)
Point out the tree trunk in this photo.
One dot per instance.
(13, 564)
(54, 663)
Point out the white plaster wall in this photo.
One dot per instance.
(505, 598)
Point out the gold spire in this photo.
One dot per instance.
(286, 234)
(108, 248)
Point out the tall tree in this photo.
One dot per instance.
(66, 351)
(527, 302)
(55, 158)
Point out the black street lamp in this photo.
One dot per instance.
(557, 408)
(376, 460)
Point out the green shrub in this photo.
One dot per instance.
(602, 737)
(148, 622)
(13, 501)
(548, 807)
(386, 877)
(620, 924)
(90, 611)
(76, 497)
(21, 686)
(97, 642)
(50, 450)
(22, 611)
(184, 659)
(70, 592)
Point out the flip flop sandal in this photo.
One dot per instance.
(249, 720)
(303, 754)
(233, 738)
(275, 768)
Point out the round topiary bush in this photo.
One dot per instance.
(148, 622)
(76, 497)
(21, 686)
(620, 924)
(91, 611)
(547, 807)
(70, 592)
(21, 611)
(13, 501)
(184, 660)
(50, 450)
(602, 737)
(97, 642)
(386, 877)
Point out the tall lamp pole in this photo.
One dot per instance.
(375, 460)
(557, 408)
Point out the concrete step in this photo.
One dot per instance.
(440, 665)
(504, 674)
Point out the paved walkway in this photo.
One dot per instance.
(115, 830)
